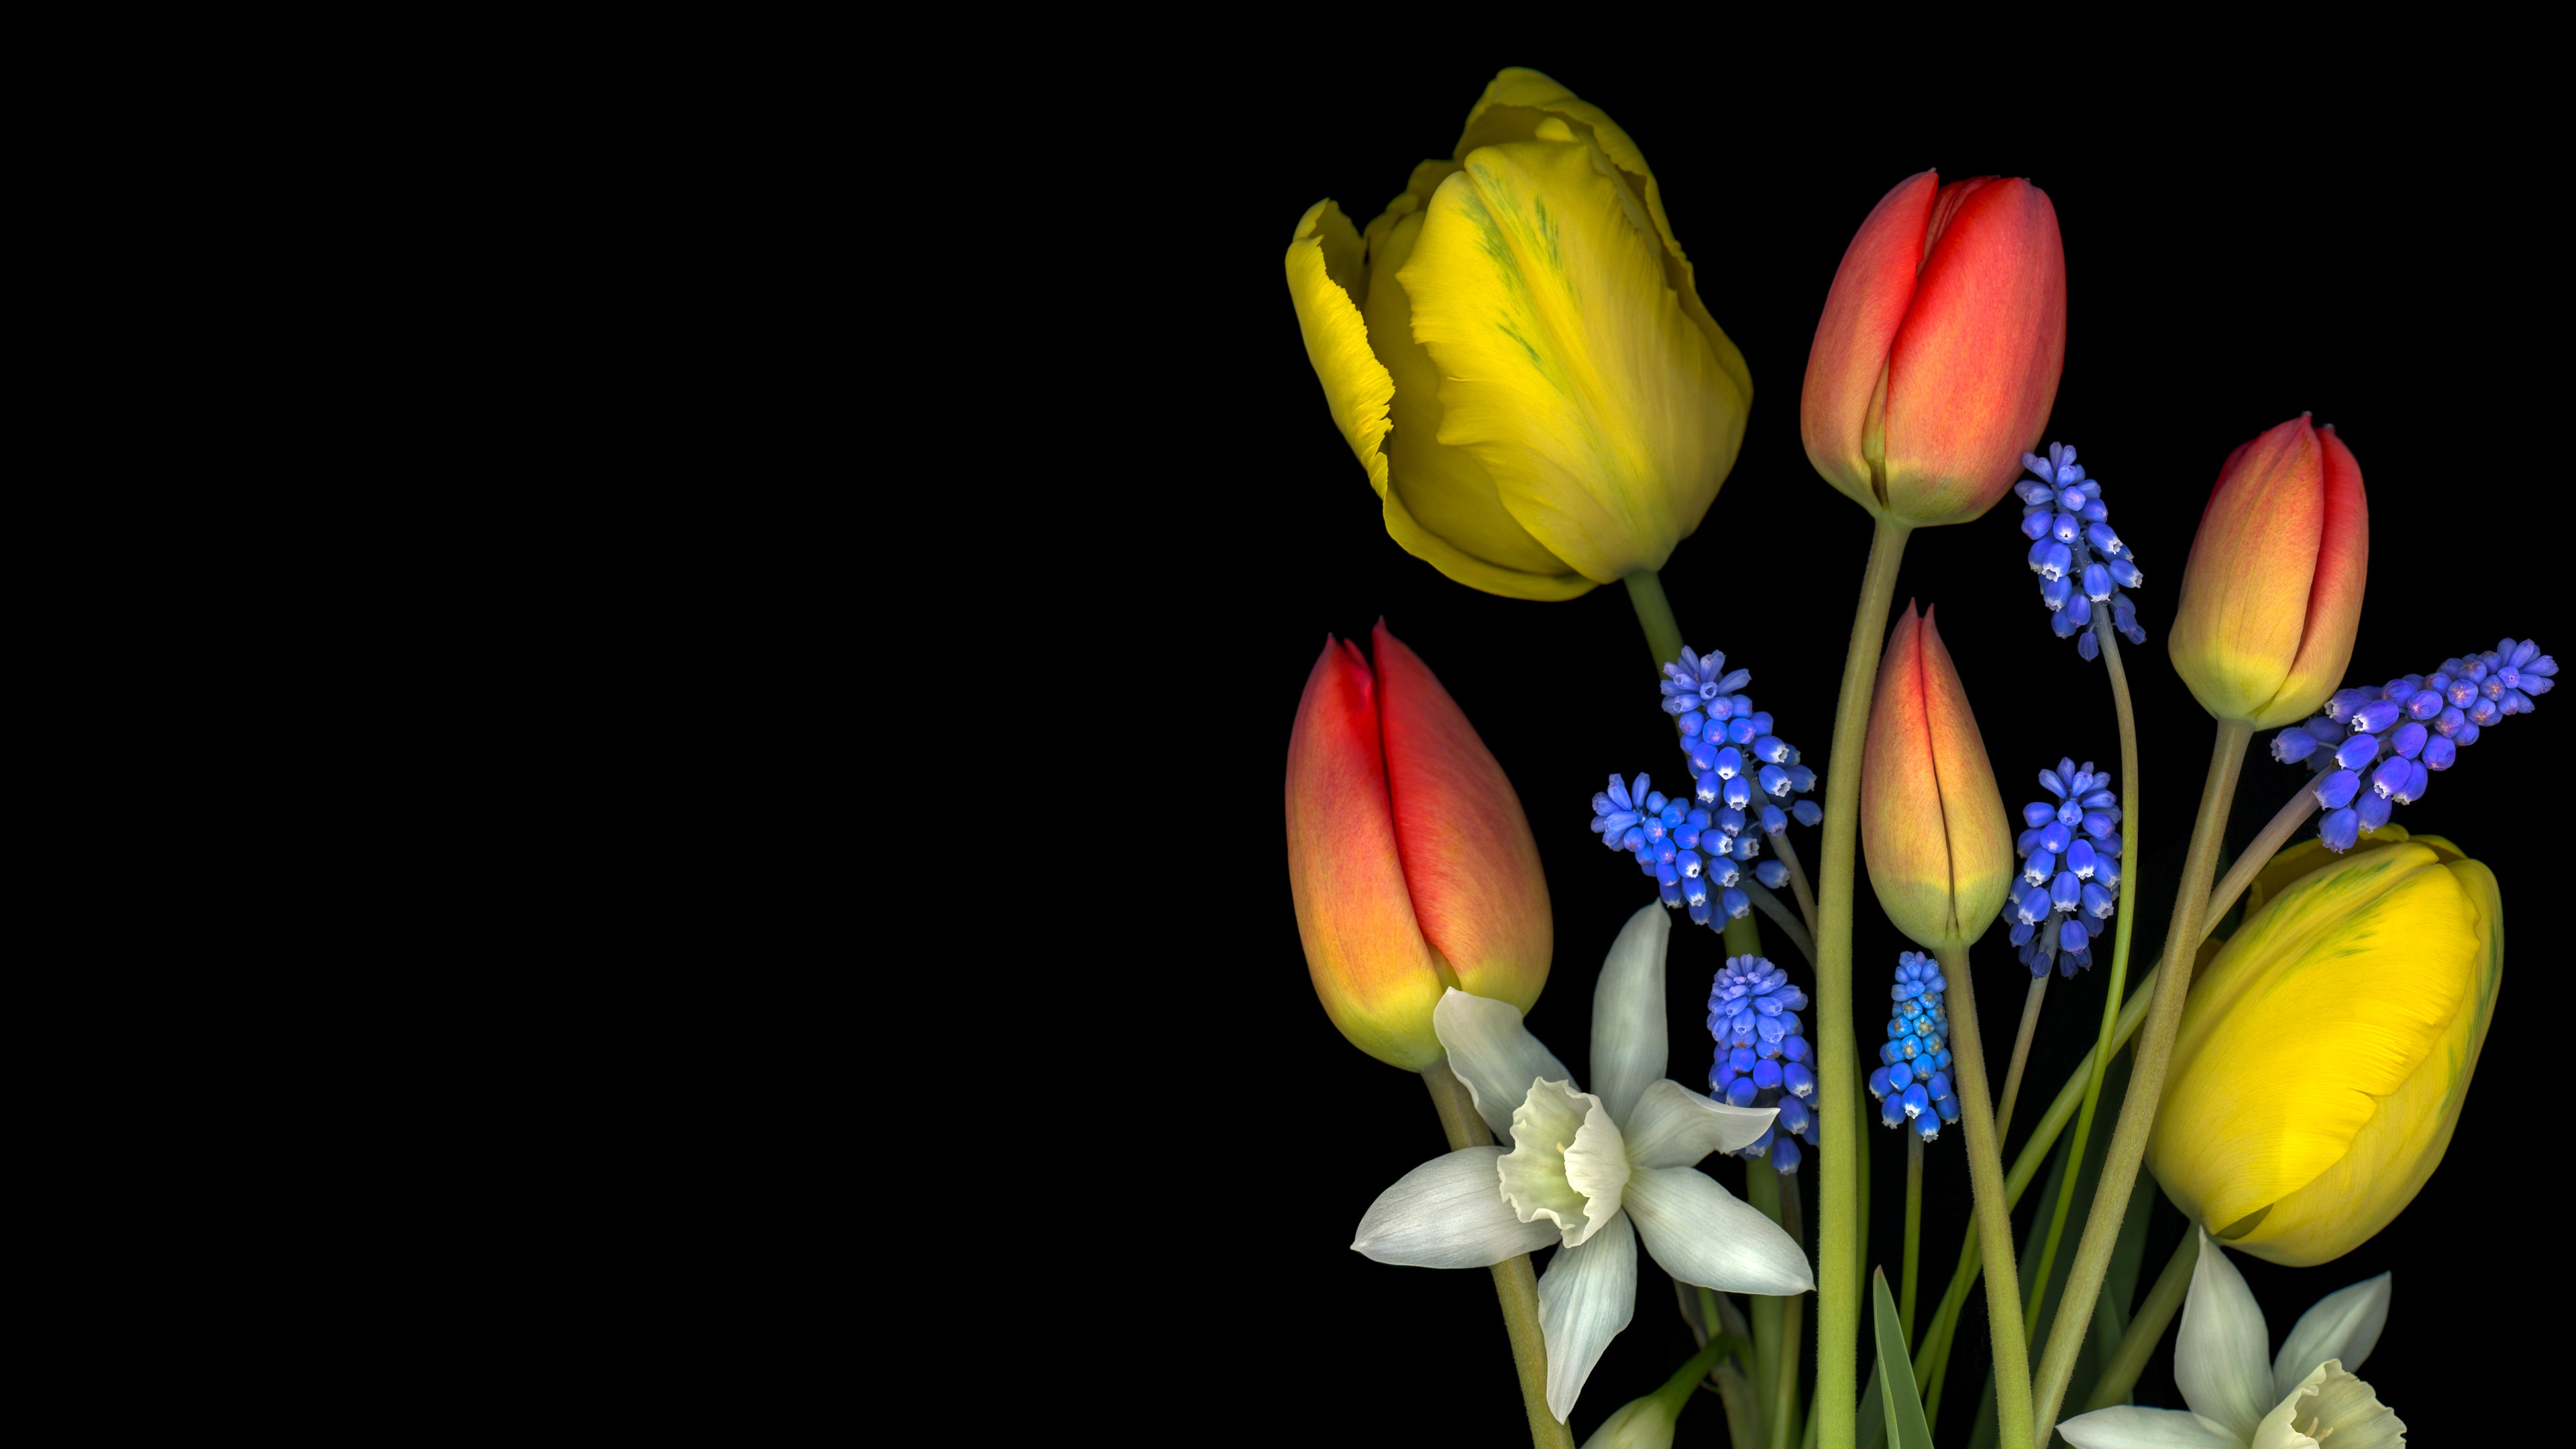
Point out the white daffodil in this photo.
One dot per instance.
(2307, 1396)
(1585, 1166)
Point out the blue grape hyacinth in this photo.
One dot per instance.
(1762, 1055)
(1912, 1080)
(2376, 749)
(2070, 869)
(2083, 566)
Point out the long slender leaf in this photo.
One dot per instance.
(1900, 1406)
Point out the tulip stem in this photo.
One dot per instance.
(1913, 1229)
(1838, 1226)
(2258, 854)
(1994, 1208)
(1788, 855)
(2146, 1078)
(2020, 1057)
(1515, 1285)
(2138, 1341)
(2126, 915)
(1770, 905)
(1655, 613)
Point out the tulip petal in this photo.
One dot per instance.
(1371, 968)
(2334, 594)
(1847, 364)
(1933, 828)
(2219, 1363)
(1703, 1234)
(1448, 1213)
(1568, 366)
(2344, 1326)
(2245, 588)
(1673, 1126)
(1494, 1055)
(1628, 1046)
(1975, 368)
(2129, 1427)
(1586, 1296)
(1470, 862)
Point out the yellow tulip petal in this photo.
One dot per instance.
(2346, 961)
(1568, 366)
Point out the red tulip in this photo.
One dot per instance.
(2272, 595)
(1937, 358)
(1412, 866)
(1932, 821)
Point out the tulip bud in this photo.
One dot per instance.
(1411, 864)
(1937, 357)
(1932, 822)
(2325, 1051)
(2272, 594)
(1517, 353)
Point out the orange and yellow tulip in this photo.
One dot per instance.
(1411, 864)
(1932, 823)
(1937, 358)
(2272, 595)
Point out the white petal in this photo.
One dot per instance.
(1628, 1012)
(2344, 1325)
(1674, 1126)
(2219, 1363)
(2330, 1407)
(1584, 1298)
(1493, 1054)
(1448, 1213)
(1567, 1163)
(1703, 1234)
(2129, 1427)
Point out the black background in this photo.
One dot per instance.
(2244, 243)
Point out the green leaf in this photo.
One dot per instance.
(1896, 1396)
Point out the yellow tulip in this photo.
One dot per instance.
(1517, 353)
(2326, 1049)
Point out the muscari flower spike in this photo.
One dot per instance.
(1762, 1054)
(2070, 869)
(1743, 775)
(1912, 1082)
(2067, 524)
(2375, 749)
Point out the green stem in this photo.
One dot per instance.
(2147, 1078)
(1655, 614)
(1994, 1209)
(1793, 1310)
(1798, 887)
(2138, 1343)
(1839, 1229)
(1913, 1229)
(2266, 843)
(1514, 1284)
(2020, 1059)
(1676, 1392)
(1770, 1317)
(2126, 914)
(1769, 905)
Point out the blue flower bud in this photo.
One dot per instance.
(2336, 790)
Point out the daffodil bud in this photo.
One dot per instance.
(1938, 354)
(1932, 822)
(1409, 859)
(2326, 1048)
(2272, 594)
(1517, 353)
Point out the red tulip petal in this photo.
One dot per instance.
(1872, 289)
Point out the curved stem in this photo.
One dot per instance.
(2138, 1342)
(2126, 914)
(1655, 615)
(1769, 905)
(1838, 1227)
(1515, 1285)
(2146, 1080)
(1994, 1209)
(2020, 1057)
(1913, 1229)
(1788, 855)
(2258, 854)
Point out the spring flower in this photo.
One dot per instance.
(1409, 859)
(2272, 593)
(2374, 749)
(2326, 1049)
(2305, 1397)
(1937, 357)
(2070, 869)
(1518, 356)
(1912, 1079)
(2067, 523)
(1762, 1055)
(1591, 1172)
(1931, 820)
